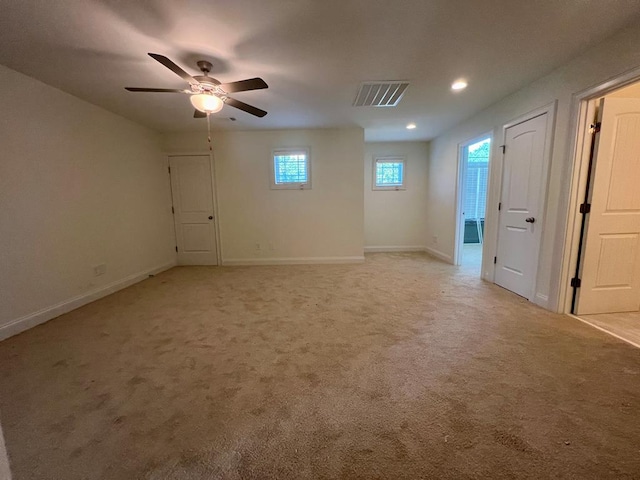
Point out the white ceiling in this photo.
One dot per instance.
(313, 54)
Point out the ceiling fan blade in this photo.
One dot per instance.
(244, 107)
(157, 90)
(174, 68)
(198, 114)
(244, 85)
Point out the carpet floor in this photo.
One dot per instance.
(399, 368)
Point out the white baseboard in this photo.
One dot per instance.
(438, 254)
(413, 248)
(291, 261)
(29, 321)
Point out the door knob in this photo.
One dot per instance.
(530, 220)
(211, 217)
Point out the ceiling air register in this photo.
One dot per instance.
(380, 94)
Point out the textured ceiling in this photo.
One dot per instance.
(313, 54)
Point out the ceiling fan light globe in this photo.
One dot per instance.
(206, 103)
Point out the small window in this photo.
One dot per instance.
(290, 168)
(389, 173)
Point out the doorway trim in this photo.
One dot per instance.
(462, 169)
(216, 216)
(583, 105)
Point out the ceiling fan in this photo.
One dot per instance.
(207, 94)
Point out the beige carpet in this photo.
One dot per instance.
(399, 368)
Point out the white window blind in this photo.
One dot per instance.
(290, 169)
(388, 173)
(476, 180)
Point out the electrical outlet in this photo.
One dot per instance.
(258, 247)
(100, 269)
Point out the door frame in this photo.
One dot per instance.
(216, 221)
(462, 169)
(583, 106)
(550, 109)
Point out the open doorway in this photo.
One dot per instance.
(473, 171)
(605, 285)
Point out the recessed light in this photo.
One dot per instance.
(459, 85)
(411, 126)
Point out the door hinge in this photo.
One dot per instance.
(504, 148)
(576, 282)
(495, 260)
(172, 210)
(499, 206)
(585, 208)
(595, 127)
(176, 248)
(169, 168)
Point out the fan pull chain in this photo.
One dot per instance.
(209, 132)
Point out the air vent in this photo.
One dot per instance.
(380, 94)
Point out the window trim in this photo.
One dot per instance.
(389, 159)
(290, 185)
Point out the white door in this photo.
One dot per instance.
(520, 222)
(192, 192)
(611, 259)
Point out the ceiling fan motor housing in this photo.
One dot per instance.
(207, 83)
(205, 79)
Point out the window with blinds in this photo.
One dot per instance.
(290, 169)
(475, 198)
(389, 173)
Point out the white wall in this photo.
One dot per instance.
(79, 187)
(616, 55)
(396, 220)
(323, 224)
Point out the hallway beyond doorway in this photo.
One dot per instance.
(472, 257)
